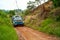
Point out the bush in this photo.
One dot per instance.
(56, 3)
(55, 14)
(52, 28)
(51, 25)
(7, 32)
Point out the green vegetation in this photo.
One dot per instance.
(7, 32)
(56, 3)
(50, 25)
(31, 5)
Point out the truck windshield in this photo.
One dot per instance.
(17, 18)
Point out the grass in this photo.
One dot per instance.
(7, 32)
(50, 25)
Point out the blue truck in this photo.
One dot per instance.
(17, 20)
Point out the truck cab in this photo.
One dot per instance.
(17, 20)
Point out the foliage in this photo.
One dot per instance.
(50, 25)
(55, 14)
(11, 12)
(25, 13)
(38, 2)
(56, 3)
(7, 32)
(31, 5)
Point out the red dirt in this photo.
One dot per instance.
(26, 33)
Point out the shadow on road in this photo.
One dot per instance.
(19, 26)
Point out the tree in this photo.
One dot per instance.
(56, 3)
(11, 13)
(38, 2)
(31, 5)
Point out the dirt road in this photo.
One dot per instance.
(26, 33)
